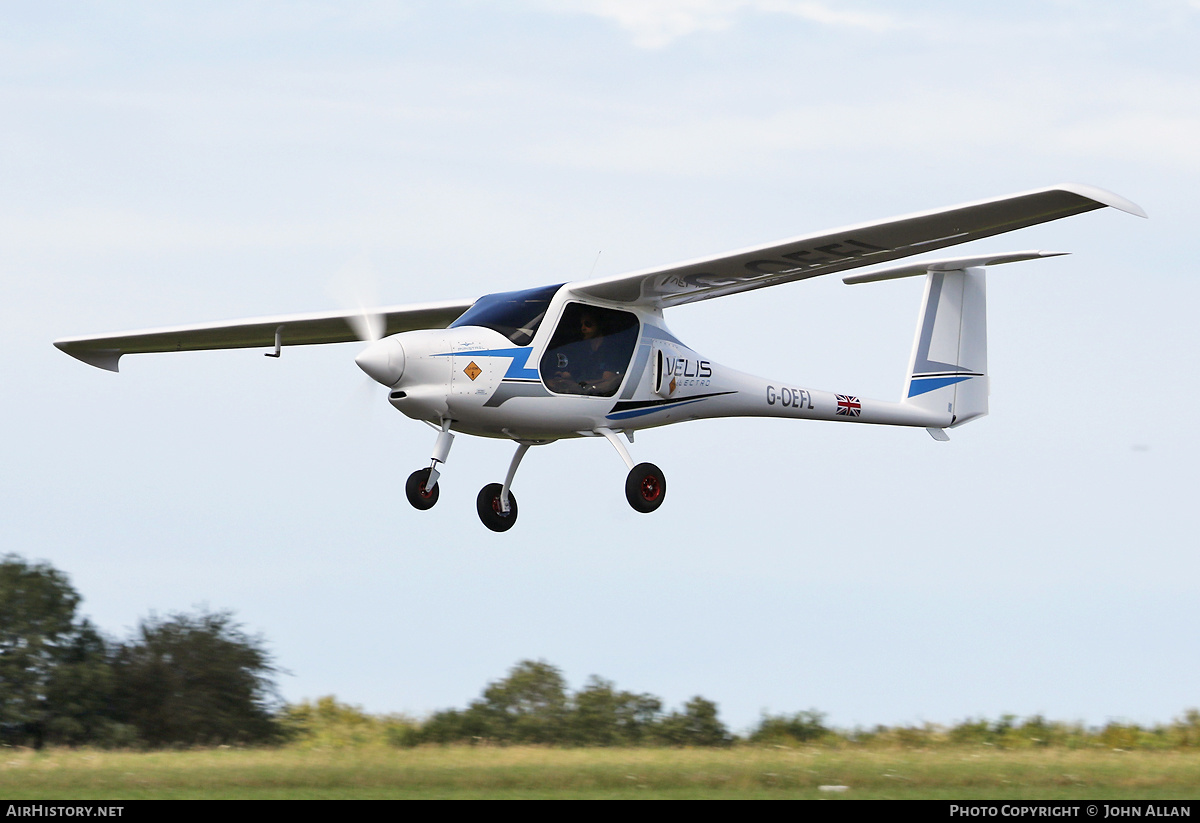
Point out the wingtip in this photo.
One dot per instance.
(1105, 197)
(107, 359)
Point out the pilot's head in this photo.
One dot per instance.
(589, 326)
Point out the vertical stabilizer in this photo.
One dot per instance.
(948, 368)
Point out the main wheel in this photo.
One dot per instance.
(645, 487)
(421, 497)
(488, 506)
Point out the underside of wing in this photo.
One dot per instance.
(851, 247)
(103, 351)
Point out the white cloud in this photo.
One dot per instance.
(659, 23)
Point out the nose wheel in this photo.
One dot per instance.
(421, 488)
(419, 491)
(492, 512)
(645, 487)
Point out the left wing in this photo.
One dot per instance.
(292, 329)
(862, 245)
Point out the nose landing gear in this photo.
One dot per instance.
(421, 489)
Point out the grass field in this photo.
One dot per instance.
(526, 772)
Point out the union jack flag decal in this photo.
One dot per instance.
(848, 406)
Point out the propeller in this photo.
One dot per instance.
(354, 286)
(367, 326)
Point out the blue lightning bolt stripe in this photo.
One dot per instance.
(516, 368)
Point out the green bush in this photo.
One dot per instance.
(328, 723)
(801, 727)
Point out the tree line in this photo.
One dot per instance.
(199, 679)
(532, 706)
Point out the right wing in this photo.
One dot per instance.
(103, 351)
(864, 244)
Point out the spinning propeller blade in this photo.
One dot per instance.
(354, 287)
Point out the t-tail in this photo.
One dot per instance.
(947, 372)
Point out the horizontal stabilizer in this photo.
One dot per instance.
(947, 264)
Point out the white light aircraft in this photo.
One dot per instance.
(594, 358)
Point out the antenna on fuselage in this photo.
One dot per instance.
(594, 262)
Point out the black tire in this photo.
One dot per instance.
(645, 487)
(488, 506)
(421, 497)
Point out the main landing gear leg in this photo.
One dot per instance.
(496, 504)
(645, 485)
(421, 488)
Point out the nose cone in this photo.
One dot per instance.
(383, 361)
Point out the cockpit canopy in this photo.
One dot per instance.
(589, 351)
(515, 314)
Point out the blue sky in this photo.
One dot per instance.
(209, 161)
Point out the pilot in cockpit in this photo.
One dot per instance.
(588, 364)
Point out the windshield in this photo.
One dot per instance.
(515, 314)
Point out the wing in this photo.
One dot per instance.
(862, 245)
(104, 351)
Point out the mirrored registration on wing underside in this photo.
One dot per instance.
(851, 247)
